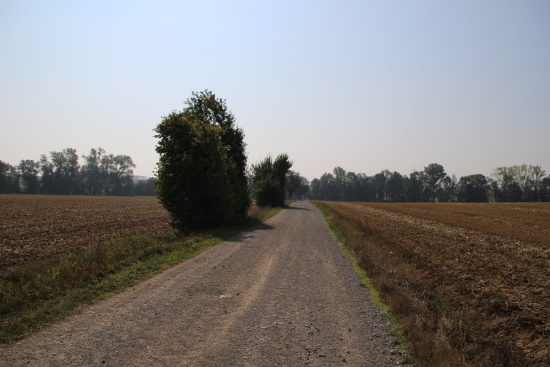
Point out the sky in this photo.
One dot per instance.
(366, 85)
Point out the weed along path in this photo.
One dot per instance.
(283, 294)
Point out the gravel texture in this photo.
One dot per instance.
(283, 294)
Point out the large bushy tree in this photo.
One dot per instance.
(201, 177)
(205, 107)
(269, 179)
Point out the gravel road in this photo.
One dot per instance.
(283, 294)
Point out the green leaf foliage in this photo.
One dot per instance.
(269, 180)
(201, 172)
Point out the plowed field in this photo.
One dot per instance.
(482, 270)
(36, 226)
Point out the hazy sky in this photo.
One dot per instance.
(366, 85)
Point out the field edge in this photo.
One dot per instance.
(376, 297)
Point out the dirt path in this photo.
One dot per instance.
(281, 295)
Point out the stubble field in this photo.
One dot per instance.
(37, 226)
(471, 277)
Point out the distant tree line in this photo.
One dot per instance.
(506, 184)
(62, 174)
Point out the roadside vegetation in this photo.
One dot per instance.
(36, 293)
(466, 283)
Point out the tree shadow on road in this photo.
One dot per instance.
(296, 208)
(262, 227)
(248, 233)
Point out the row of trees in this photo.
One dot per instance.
(62, 174)
(520, 183)
(515, 183)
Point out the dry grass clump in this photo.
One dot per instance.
(463, 297)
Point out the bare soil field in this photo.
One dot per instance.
(480, 273)
(38, 226)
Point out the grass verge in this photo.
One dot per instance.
(37, 293)
(339, 231)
